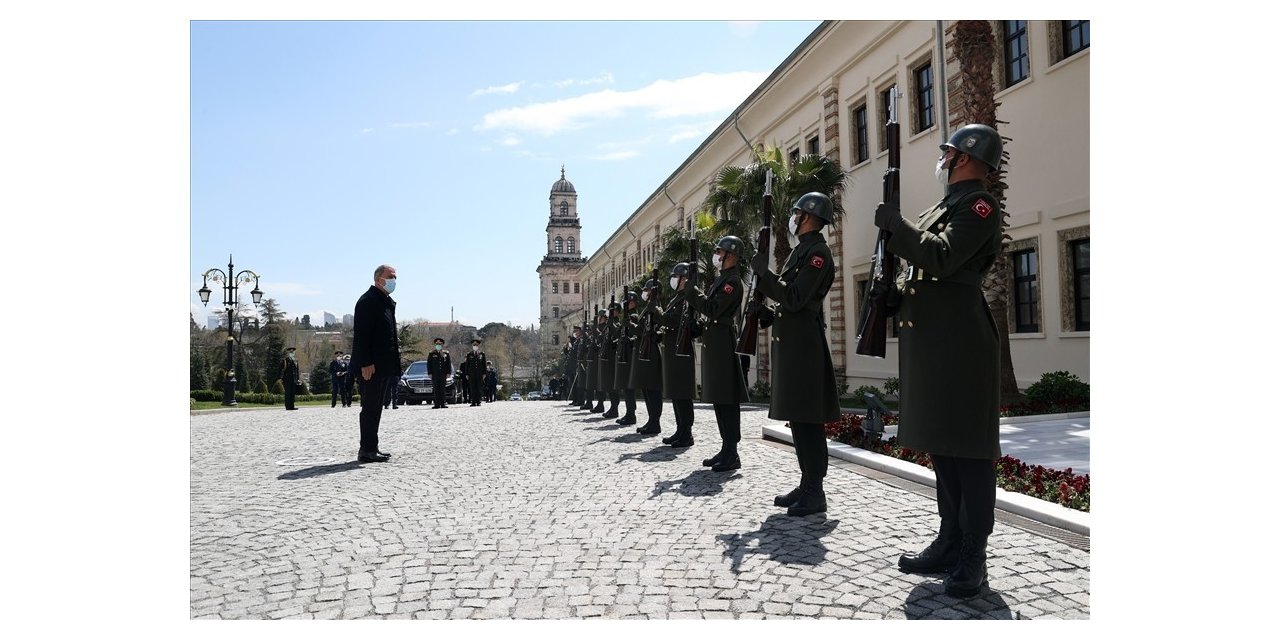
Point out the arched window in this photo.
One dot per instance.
(572, 245)
(555, 287)
(564, 208)
(560, 244)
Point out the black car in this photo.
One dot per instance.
(415, 385)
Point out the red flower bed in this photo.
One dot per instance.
(1063, 487)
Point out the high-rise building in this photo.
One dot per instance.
(329, 318)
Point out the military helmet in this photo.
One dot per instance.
(651, 283)
(979, 141)
(816, 204)
(632, 296)
(681, 270)
(731, 244)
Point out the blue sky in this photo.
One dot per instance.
(321, 149)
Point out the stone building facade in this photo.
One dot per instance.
(560, 290)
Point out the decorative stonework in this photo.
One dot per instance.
(1066, 272)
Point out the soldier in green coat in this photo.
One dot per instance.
(803, 384)
(646, 375)
(723, 384)
(595, 399)
(608, 353)
(622, 365)
(949, 354)
(678, 382)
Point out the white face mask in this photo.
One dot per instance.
(644, 295)
(793, 225)
(941, 173)
(717, 262)
(675, 282)
(475, 349)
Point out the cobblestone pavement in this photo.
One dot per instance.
(520, 510)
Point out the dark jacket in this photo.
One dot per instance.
(678, 381)
(608, 347)
(592, 360)
(289, 372)
(647, 375)
(948, 347)
(803, 380)
(475, 366)
(438, 364)
(626, 342)
(375, 341)
(337, 373)
(722, 380)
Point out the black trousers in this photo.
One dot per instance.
(290, 391)
(811, 452)
(653, 405)
(437, 389)
(477, 391)
(966, 494)
(372, 391)
(629, 398)
(337, 389)
(729, 421)
(684, 416)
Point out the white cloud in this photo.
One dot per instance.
(506, 88)
(411, 125)
(603, 78)
(616, 155)
(702, 94)
(366, 130)
(699, 130)
(743, 28)
(509, 141)
(452, 132)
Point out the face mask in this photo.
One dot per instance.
(439, 347)
(717, 262)
(793, 225)
(475, 349)
(941, 172)
(390, 286)
(290, 356)
(675, 282)
(644, 295)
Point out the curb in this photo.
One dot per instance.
(1044, 417)
(1023, 505)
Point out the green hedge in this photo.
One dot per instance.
(205, 395)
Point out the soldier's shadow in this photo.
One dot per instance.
(785, 539)
(609, 427)
(661, 453)
(700, 483)
(324, 469)
(929, 601)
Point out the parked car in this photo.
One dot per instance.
(516, 397)
(534, 395)
(415, 385)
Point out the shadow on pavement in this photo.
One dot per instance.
(786, 540)
(700, 483)
(929, 601)
(324, 469)
(610, 427)
(660, 453)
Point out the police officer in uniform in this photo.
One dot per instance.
(678, 383)
(626, 344)
(647, 375)
(474, 365)
(722, 383)
(949, 354)
(439, 366)
(608, 351)
(289, 376)
(337, 380)
(803, 385)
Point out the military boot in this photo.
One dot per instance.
(970, 574)
(789, 498)
(629, 418)
(812, 500)
(612, 412)
(599, 408)
(939, 557)
(650, 428)
(728, 462)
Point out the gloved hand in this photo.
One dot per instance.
(887, 215)
(760, 262)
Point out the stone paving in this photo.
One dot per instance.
(521, 510)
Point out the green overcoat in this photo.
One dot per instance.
(722, 379)
(608, 345)
(626, 342)
(647, 375)
(948, 347)
(677, 371)
(803, 380)
(592, 359)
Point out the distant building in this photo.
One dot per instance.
(216, 322)
(348, 320)
(329, 318)
(560, 291)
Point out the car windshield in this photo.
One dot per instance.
(418, 368)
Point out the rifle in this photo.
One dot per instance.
(751, 320)
(650, 337)
(684, 338)
(875, 305)
(624, 344)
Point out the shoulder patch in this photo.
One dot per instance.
(982, 208)
(816, 262)
(728, 288)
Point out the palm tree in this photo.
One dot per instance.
(975, 46)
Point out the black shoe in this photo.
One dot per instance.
(649, 429)
(713, 460)
(682, 442)
(612, 413)
(970, 574)
(939, 557)
(599, 409)
(787, 499)
(384, 454)
(372, 457)
(396, 407)
(810, 501)
(290, 408)
(671, 438)
(630, 418)
(729, 464)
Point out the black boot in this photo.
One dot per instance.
(812, 500)
(939, 557)
(599, 408)
(787, 499)
(711, 462)
(630, 418)
(612, 412)
(671, 438)
(970, 574)
(649, 428)
(728, 462)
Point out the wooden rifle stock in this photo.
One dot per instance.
(747, 337)
(684, 339)
(872, 330)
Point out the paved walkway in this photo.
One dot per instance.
(535, 510)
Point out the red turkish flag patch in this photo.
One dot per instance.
(816, 262)
(728, 288)
(982, 208)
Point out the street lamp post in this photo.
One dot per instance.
(230, 300)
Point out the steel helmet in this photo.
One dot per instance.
(817, 204)
(731, 244)
(979, 141)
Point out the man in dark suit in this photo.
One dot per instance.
(289, 375)
(337, 380)
(439, 366)
(375, 356)
(474, 366)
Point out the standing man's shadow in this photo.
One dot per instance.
(786, 539)
(661, 453)
(929, 601)
(703, 482)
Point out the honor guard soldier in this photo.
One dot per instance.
(803, 385)
(587, 361)
(949, 354)
(623, 360)
(474, 365)
(574, 380)
(723, 384)
(337, 380)
(646, 375)
(289, 376)
(678, 383)
(439, 366)
(601, 334)
(608, 352)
